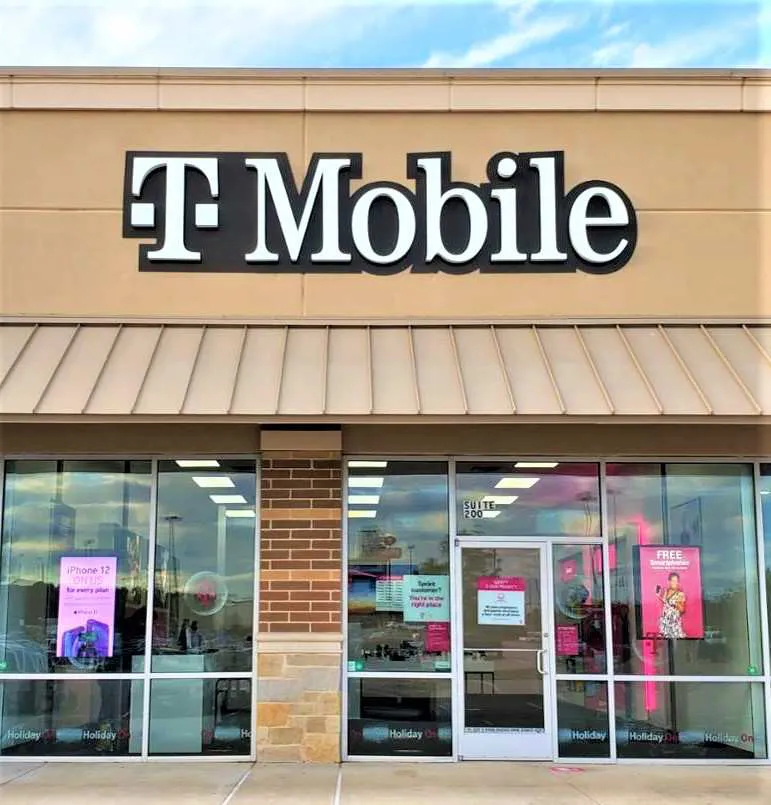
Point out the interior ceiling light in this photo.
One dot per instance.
(197, 463)
(240, 513)
(224, 499)
(516, 482)
(363, 500)
(536, 465)
(489, 514)
(378, 464)
(500, 500)
(366, 482)
(213, 481)
(368, 513)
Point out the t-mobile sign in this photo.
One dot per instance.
(86, 625)
(223, 212)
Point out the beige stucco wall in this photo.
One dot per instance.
(698, 178)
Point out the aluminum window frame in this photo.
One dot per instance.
(610, 677)
(346, 674)
(147, 675)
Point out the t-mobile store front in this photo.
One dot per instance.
(384, 415)
(533, 609)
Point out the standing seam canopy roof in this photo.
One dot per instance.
(340, 371)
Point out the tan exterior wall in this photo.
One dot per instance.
(517, 440)
(699, 180)
(129, 440)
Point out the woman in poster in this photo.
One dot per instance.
(672, 609)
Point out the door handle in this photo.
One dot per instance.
(539, 661)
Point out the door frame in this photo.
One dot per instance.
(547, 628)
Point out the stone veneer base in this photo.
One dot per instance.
(298, 711)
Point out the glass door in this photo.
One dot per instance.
(505, 710)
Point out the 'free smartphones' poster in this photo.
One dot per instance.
(670, 592)
(86, 623)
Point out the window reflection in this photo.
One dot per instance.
(679, 720)
(204, 566)
(528, 498)
(86, 522)
(582, 719)
(765, 503)
(411, 717)
(71, 717)
(579, 609)
(683, 569)
(200, 716)
(398, 566)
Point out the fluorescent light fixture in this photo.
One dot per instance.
(197, 463)
(764, 491)
(213, 481)
(240, 513)
(500, 500)
(536, 465)
(224, 499)
(363, 500)
(377, 464)
(489, 514)
(516, 482)
(365, 482)
(368, 513)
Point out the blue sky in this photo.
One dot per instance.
(386, 33)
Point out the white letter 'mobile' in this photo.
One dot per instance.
(230, 212)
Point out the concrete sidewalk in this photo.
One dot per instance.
(381, 784)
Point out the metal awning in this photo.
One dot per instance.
(347, 372)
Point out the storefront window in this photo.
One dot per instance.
(200, 716)
(579, 609)
(765, 503)
(74, 579)
(73, 566)
(407, 717)
(528, 499)
(398, 567)
(683, 570)
(71, 717)
(680, 720)
(582, 719)
(204, 566)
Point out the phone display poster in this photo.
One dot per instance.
(86, 623)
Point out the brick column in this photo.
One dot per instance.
(299, 660)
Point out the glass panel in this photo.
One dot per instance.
(400, 717)
(582, 718)
(502, 598)
(204, 566)
(200, 716)
(579, 609)
(81, 717)
(503, 691)
(683, 569)
(398, 566)
(765, 502)
(686, 720)
(528, 499)
(73, 566)
(502, 610)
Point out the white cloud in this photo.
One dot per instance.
(524, 35)
(695, 47)
(174, 33)
(616, 30)
(610, 54)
